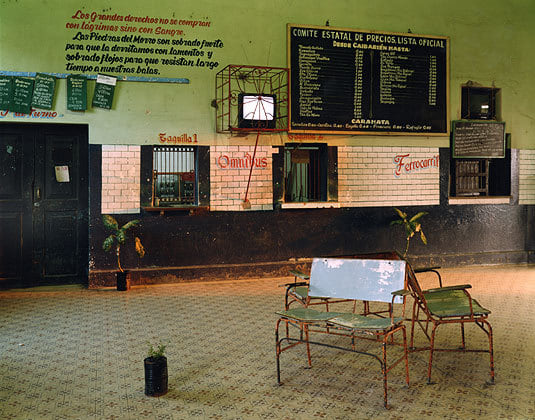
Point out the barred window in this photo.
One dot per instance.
(305, 173)
(174, 176)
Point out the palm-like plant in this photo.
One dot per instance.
(119, 237)
(412, 226)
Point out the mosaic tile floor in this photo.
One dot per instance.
(70, 353)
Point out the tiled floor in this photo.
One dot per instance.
(70, 353)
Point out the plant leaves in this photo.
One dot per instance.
(110, 222)
(121, 236)
(130, 224)
(108, 243)
(396, 222)
(422, 236)
(139, 248)
(400, 213)
(417, 216)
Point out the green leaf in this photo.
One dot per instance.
(417, 216)
(396, 222)
(400, 213)
(121, 236)
(108, 243)
(130, 224)
(422, 236)
(110, 222)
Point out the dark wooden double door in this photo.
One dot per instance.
(43, 204)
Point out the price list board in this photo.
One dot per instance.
(357, 82)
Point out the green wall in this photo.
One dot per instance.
(491, 43)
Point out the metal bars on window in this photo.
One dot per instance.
(173, 176)
(472, 177)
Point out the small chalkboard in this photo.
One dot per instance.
(6, 91)
(104, 89)
(43, 91)
(22, 95)
(76, 93)
(478, 139)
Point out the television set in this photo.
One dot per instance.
(256, 110)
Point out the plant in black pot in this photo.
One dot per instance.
(155, 371)
(118, 238)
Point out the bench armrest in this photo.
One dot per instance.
(299, 274)
(442, 289)
(294, 284)
(425, 269)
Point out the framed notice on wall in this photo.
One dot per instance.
(347, 81)
(478, 139)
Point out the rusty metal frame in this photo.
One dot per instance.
(420, 305)
(384, 337)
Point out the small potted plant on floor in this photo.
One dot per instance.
(155, 371)
(118, 237)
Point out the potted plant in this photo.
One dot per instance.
(118, 237)
(156, 371)
(412, 226)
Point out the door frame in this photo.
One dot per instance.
(32, 134)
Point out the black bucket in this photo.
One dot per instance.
(155, 376)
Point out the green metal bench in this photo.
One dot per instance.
(349, 279)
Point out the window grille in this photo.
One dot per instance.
(303, 173)
(173, 176)
(472, 177)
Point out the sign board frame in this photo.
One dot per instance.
(455, 124)
(347, 42)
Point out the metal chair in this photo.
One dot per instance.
(447, 305)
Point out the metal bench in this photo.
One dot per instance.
(375, 280)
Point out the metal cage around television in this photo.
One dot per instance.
(235, 81)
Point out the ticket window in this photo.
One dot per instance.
(481, 177)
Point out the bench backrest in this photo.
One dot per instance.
(360, 279)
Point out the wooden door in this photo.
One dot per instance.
(43, 204)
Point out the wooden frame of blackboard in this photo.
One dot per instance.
(445, 101)
(477, 155)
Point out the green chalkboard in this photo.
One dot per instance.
(43, 91)
(104, 89)
(22, 95)
(76, 93)
(6, 91)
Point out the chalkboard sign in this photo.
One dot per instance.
(104, 89)
(22, 95)
(478, 139)
(76, 93)
(348, 81)
(43, 91)
(6, 92)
